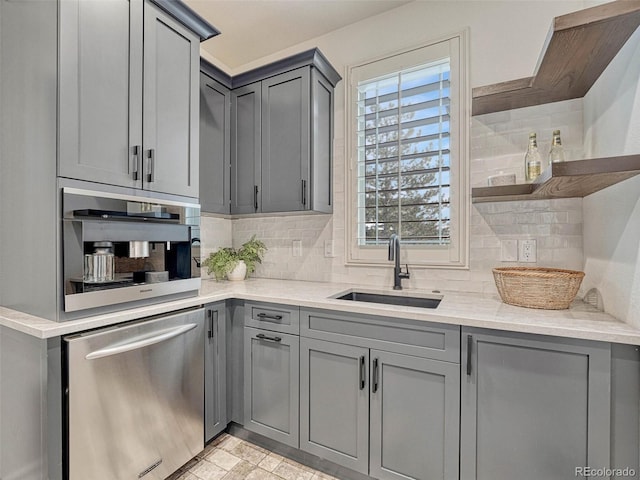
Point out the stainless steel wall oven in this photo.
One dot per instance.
(121, 248)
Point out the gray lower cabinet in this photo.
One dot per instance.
(334, 402)
(215, 146)
(30, 407)
(215, 368)
(271, 384)
(415, 418)
(384, 414)
(533, 407)
(272, 316)
(128, 96)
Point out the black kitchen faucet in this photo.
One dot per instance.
(394, 253)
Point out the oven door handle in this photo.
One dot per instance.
(141, 341)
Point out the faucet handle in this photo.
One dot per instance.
(405, 274)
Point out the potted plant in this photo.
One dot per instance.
(236, 264)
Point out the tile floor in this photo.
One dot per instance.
(230, 458)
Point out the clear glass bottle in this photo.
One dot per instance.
(556, 153)
(532, 160)
(103, 262)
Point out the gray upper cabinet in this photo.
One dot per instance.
(320, 188)
(271, 384)
(170, 105)
(246, 148)
(285, 141)
(282, 136)
(128, 96)
(215, 367)
(100, 108)
(533, 407)
(215, 146)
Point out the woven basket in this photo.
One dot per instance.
(537, 287)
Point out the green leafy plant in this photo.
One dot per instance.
(222, 262)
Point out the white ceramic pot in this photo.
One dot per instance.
(238, 273)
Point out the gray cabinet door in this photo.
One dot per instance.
(100, 89)
(415, 417)
(215, 367)
(321, 186)
(334, 402)
(271, 385)
(285, 141)
(533, 407)
(170, 105)
(215, 146)
(246, 105)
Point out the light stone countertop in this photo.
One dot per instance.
(458, 308)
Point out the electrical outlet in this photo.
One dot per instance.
(509, 250)
(527, 252)
(328, 249)
(296, 248)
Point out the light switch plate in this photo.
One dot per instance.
(527, 252)
(328, 249)
(509, 251)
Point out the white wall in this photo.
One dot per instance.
(506, 36)
(612, 216)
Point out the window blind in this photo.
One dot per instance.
(403, 156)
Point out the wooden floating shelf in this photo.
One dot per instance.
(578, 48)
(578, 178)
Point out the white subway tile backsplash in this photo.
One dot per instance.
(566, 229)
(498, 143)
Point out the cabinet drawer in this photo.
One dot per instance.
(410, 337)
(272, 316)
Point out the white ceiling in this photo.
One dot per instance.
(252, 29)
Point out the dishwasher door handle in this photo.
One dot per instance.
(142, 341)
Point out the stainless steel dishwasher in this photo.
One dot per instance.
(135, 398)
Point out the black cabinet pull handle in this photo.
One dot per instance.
(262, 336)
(136, 161)
(210, 315)
(269, 317)
(255, 197)
(469, 348)
(151, 173)
(216, 321)
(304, 192)
(374, 386)
(362, 372)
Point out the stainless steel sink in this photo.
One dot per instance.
(422, 302)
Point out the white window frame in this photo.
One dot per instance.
(456, 254)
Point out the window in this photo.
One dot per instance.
(408, 175)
